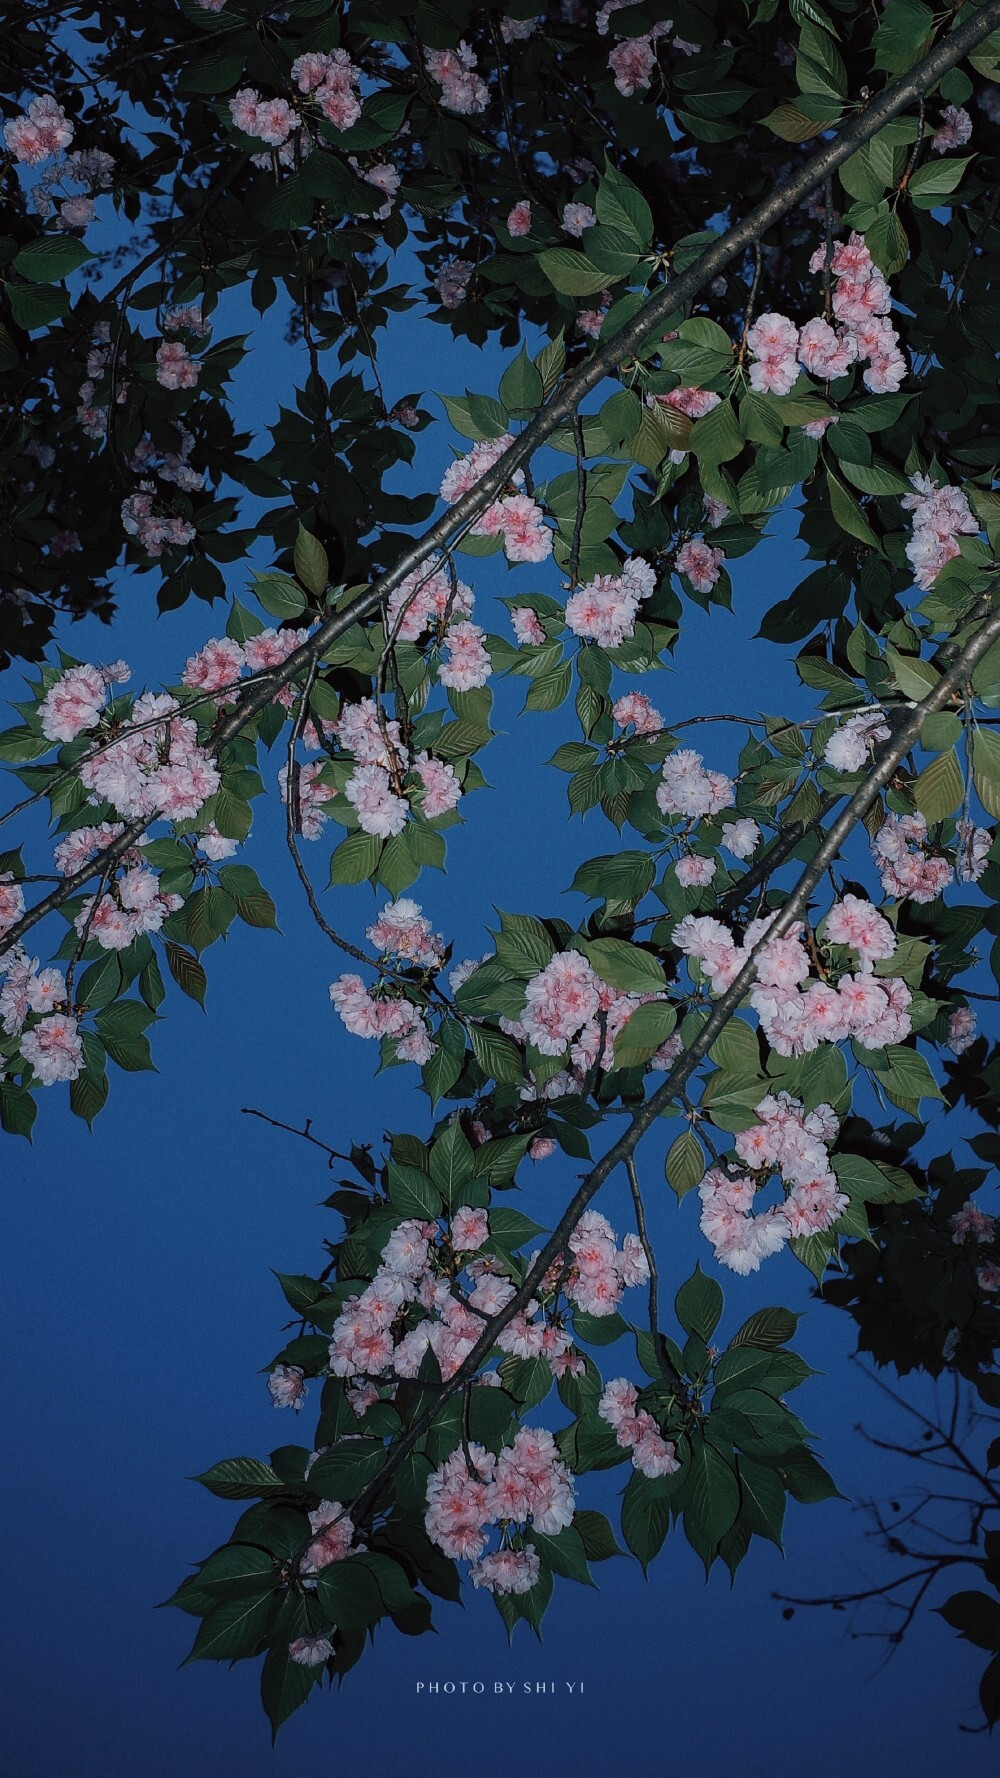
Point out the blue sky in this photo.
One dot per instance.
(141, 1307)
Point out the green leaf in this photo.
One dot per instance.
(346, 1468)
(646, 1516)
(349, 1595)
(253, 904)
(498, 1056)
(452, 1164)
(564, 1553)
(644, 1031)
(848, 514)
(625, 966)
(717, 437)
(986, 768)
(939, 788)
(599, 1541)
(311, 563)
(976, 1617)
(279, 595)
(284, 1685)
(935, 180)
(445, 1065)
(549, 690)
(766, 1329)
(907, 1076)
(397, 867)
(698, 1305)
(237, 1569)
(18, 1109)
(412, 1192)
(356, 858)
(241, 1478)
(521, 385)
(620, 205)
(685, 1164)
(572, 273)
(36, 306)
(762, 1503)
(711, 1499)
(235, 1629)
(186, 971)
(52, 258)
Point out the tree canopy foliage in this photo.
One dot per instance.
(738, 263)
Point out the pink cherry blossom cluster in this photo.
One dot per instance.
(741, 837)
(695, 403)
(386, 180)
(954, 130)
(11, 901)
(605, 610)
(527, 627)
(599, 1270)
(468, 664)
(972, 1224)
(908, 871)
(51, 197)
(516, 518)
(591, 321)
(701, 562)
(175, 368)
(852, 745)
(155, 526)
(287, 1386)
(386, 780)
(526, 1484)
(796, 1020)
(861, 302)
(370, 1014)
(774, 342)
(156, 770)
(634, 710)
(270, 120)
(85, 843)
(36, 998)
(451, 281)
(427, 600)
(518, 30)
(519, 219)
(962, 1027)
(76, 701)
(940, 517)
(576, 218)
(636, 1430)
(42, 130)
(567, 1004)
(690, 789)
(376, 1332)
(333, 1538)
(312, 794)
(973, 846)
(328, 82)
(170, 466)
(402, 931)
(453, 70)
(332, 82)
(794, 1145)
(187, 318)
(131, 904)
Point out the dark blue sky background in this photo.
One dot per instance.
(141, 1308)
